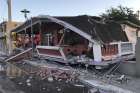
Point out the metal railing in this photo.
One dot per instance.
(118, 49)
(126, 48)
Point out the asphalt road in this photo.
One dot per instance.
(6, 86)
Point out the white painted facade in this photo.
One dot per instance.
(131, 33)
(126, 48)
(97, 52)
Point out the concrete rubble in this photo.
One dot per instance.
(41, 76)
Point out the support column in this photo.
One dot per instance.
(138, 57)
(97, 52)
(9, 11)
(40, 32)
(119, 49)
(134, 46)
(9, 38)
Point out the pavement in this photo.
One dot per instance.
(111, 83)
(133, 84)
(6, 86)
(91, 77)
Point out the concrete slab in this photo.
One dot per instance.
(128, 68)
(107, 87)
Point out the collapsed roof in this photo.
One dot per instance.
(90, 27)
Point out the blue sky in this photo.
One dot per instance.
(62, 7)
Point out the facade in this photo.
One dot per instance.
(85, 39)
(132, 31)
(137, 58)
(4, 28)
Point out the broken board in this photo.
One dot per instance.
(54, 53)
(25, 54)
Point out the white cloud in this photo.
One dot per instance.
(135, 4)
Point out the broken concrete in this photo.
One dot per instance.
(105, 86)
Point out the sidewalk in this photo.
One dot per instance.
(6, 86)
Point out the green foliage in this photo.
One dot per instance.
(121, 14)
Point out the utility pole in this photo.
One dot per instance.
(25, 12)
(138, 14)
(9, 11)
(9, 27)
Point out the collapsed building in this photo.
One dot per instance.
(78, 39)
(42, 40)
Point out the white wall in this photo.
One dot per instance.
(97, 52)
(131, 33)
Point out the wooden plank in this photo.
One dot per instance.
(20, 56)
(54, 53)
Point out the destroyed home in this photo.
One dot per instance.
(78, 39)
(69, 54)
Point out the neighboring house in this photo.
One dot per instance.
(4, 28)
(85, 39)
(137, 66)
(132, 31)
(2, 43)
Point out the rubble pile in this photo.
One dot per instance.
(44, 71)
(34, 84)
(41, 78)
(57, 74)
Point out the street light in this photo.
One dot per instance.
(25, 12)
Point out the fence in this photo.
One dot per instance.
(118, 49)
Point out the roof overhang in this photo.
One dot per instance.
(48, 18)
(71, 27)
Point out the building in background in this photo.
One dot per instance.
(132, 31)
(4, 28)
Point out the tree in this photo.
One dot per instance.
(121, 14)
